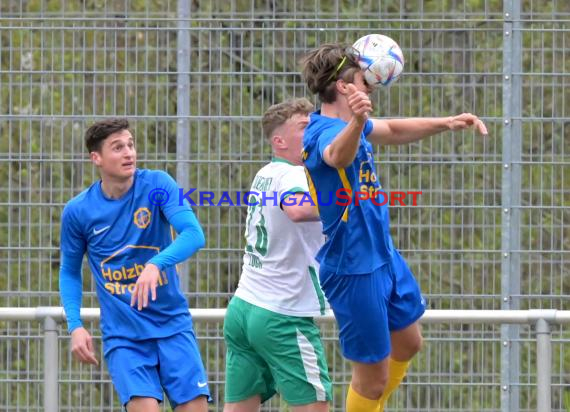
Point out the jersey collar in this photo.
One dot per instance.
(281, 160)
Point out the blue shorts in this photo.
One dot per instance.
(145, 368)
(368, 307)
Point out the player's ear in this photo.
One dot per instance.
(95, 158)
(278, 141)
(341, 86)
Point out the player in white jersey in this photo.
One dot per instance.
(273, 343)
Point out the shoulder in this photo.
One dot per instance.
(83, 199)
(292, 170)
(281, 170)
(315, 124)
(151, 174)
(320, 126)
(289, 177)
(78, 207)
(154, 176)
(318, 121)
(311, 131)
(294, 177)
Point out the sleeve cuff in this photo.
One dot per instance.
(292, 192)
(74, 325)
(159, 265)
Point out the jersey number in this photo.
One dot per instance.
(260, 229)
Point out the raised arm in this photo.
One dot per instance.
(403, 131)
(342, 150)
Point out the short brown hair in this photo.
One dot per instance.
(278, 114)
(323, 66)
(99, 131)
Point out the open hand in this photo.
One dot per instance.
(465, 120)
(147, 282)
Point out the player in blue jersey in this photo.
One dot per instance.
(374, 295)
(148, 341)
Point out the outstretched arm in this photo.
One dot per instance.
(403, 131)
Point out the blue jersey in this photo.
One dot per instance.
(120, 236)
(358, 237)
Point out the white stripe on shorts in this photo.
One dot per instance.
(311, 365)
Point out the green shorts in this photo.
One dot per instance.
(268, 352)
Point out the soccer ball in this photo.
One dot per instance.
(381, 59)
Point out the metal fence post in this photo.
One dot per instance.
(511, 195)
(544, 366)
(51, 366)
(182, 113)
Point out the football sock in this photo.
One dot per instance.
(358, 403)
(396, 373)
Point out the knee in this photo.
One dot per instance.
(416, 345)
(370, 386)
(377, 388)
(137, 404)
(249, 405)
(231, 407)
(199, 404)
(408, 350)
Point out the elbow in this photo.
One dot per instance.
(299, 214)
(338, 160)
(389, 140)
(200, 239)
(293, 213)
(297, 217)
(342, 164)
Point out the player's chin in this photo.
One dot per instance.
(128, 170)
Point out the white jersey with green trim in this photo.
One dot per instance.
(279, 271)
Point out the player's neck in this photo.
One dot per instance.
(114, 188)
(287, 157)
(336, 110)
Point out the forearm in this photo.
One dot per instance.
(403, 131)
(189, 240)
(342, 151)
(70, 290)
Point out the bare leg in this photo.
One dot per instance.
(252, 404)
(312, 407)
(139, 404)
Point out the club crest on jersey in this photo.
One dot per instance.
(141, 218)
